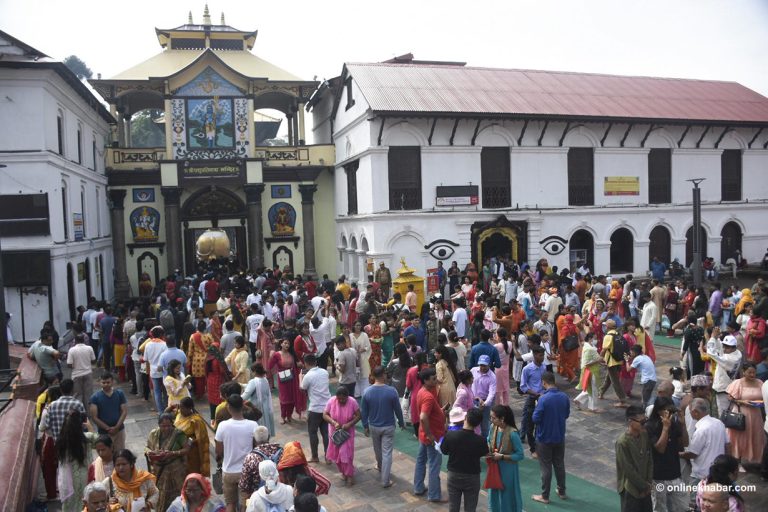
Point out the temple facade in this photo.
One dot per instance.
(206, 157)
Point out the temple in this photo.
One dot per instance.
(195, 150)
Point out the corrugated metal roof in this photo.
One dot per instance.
(424, 88)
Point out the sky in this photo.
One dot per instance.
(704, 39)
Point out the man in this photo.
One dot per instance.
(431, 432)
(379, 407)
(59, 409)
(228, 338)
(384, 278)
(543, 324)
(411, 299)
(234, 440)
(484, 348)
(715, 498)
(79, 359)
(644, 364)
(152, 349)
(211, 287)
(106, 323)
(512, 317)
(614, 359)
(108, 409)
(701, 387)
(46, 357)
(442, 278)
(346, 360)
(549, 417)
(571, 298)
(668, 438)
(649, 320)
(464, 449)
(553, 302)
(658, 269)
(87, 320)
(250, 480)
(634, 464)
(728, 360)
(531, 385)
(96, 497)
(707, 442)
(610, 314)
(253, 322)
(315, 383)
(460, 317)
(484, 389)
(716, 304)
(323, 333)
(418, 331)
(598, 288)
(171, 353)
(223, 303)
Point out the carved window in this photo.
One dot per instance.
(730, 175)
(351, 171)
(404, 178)
(494, 168)
(660, 176)
(581, 177)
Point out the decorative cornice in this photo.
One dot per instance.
(307, 193)
(253, 193)
(117, 198)
(172, 195)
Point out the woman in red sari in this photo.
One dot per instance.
(627, 377)
(756, 330)
(283, 364)
(569, 359)
(265, 347)
(304, 343)
(216, 374)
(596, 322)
(373, 330)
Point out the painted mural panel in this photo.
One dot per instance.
(208, 83)
(282, 219)
(210, 123)
(145, 224)
(178, 128)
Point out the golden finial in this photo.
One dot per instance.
(189, 20)
(206, 16)
(222, 18)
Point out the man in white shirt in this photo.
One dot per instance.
(87, 321)
(323, 335)
(234, 440)
(79, 358)
(543, 324)
(153, 349)
(253, 298)
(223, 303)
(253, 322)
(708, 441)
(319, 301)
(460, 319)
(315, 382)
(728, 360)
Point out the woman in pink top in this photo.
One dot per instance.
(465, 398)
(505, 348)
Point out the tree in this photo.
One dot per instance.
(78, 67)
(145, 132)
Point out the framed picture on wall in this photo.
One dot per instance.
(143, 195)
(281, 191)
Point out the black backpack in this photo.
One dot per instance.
(619, 347)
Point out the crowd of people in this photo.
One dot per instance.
(338, 354)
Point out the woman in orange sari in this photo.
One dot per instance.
(189, 421)
(196, 354)
(569, 359)
(616, 295)
(373, 329)
(127, 483)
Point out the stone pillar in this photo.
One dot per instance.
(291, 135)
(301, 125)
(308, 225)
(172, 196)
(255, 223)
(117, 219)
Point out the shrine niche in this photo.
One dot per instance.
(213, 203)
(209, 128)
(145, 224)
(282, 219)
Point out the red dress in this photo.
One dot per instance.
(215, 374)
(302, 347)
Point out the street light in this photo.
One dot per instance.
(696, 266)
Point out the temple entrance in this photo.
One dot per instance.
(500, 238)
(237, 247)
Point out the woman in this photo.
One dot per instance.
(237, 360)
(118, 351)
(196, 496)
(397, 369)
(756, 331)
(413, 384)
(189, 421)
(746, 298)
(569, 359)
(304, 343)
(216, 373)
(283, 364)
(432, 328)
(723, 471)
(145, 285)
(671, 307)
(198, 351)
(746, 392)
(290, 309)
(273, 496)
(167, 449)
(389, 335)
(596, 322)
(104, 464)
(341, 413)
(214, 326)
(591, 366)
(506, 450)
(693, 335)
(73, 449)
(265, 344)
(373, 330)
(687, 302)
(257, 392)
(616, 296)
(627, 375)
(700, 303)
(176, 384)
(362, 346)
(446, 377)
(128, 483)
(293, 463)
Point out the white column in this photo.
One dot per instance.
(602, 258)
(640, 259)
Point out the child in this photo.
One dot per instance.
(547, 346)
(678, 374)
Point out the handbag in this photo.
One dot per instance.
(571, 342)
(285, 375)
(734, 420)
(405, 405)
(217, 481)
(339, 437)
(493, 476)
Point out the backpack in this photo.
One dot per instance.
(274, 458)
(619, 346)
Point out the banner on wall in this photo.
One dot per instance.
(77, 223)
(621, 186)
(433, 281)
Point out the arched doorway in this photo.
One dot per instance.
(71, 291)
(622, 251)
(582, 250)
(689, 245)
(731, 241)
(500, 238)
(661, 245)
(498, 242)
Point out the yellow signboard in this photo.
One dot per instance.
(621, 186)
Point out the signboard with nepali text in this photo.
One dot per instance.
(465, 195)
(621, 186)
(193, 171)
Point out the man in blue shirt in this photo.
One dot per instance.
(530, 385)
(485, 348)
(108, 409)
(378, 408)
(551, 412)
(416, 329)
(658, 269)
(647, 369)
(170, 354)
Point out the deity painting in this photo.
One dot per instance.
(209, 123)
(145, 224)
(282, 219)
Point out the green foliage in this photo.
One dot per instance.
(78, 67)
(145, 132)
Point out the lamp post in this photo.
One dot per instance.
(5, 359)
(696, 265)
